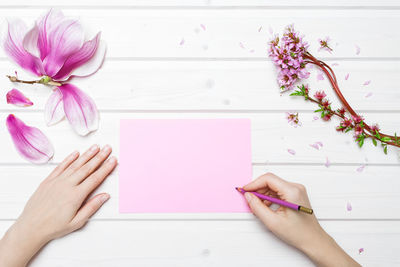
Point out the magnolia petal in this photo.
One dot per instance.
(30, 142)
(54, 109)
(65, 39)
(17, 98)
(30, 42)
(13, 46)
(45, 25)
(80, 109)
(86, 61)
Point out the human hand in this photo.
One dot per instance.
(298, 229)
(59, 206)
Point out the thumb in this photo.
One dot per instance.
(262, 211)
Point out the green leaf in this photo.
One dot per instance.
(386, 139)
(318, 110)
(361, 142)
(374, 142)
(385, 150)
(348, 130)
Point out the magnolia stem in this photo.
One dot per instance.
(50, 82)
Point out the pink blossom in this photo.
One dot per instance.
(55, 50)
(357, 119)
(17, 98)
(324, 45)
(287, 54)
(293, 119)
(319, 95)
(30, 142)
(291, 151)
(375, 128)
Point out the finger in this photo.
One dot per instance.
(267, 180)
(96, 178)
(92, 165)
(64, 164)
(263, 212)
(85, 157)
(90, 208)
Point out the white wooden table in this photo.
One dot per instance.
(148, 74)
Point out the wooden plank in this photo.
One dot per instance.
(204, 3)
(330, 189)
(220, 85)
(272, 136)
(209, 243)
(158, 33)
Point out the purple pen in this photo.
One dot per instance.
(278, 201)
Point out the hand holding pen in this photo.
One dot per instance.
(298, 229)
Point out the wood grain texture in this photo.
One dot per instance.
(132, 33)
(224, 86)
(272, 136)
(330, 189)
(148, 74)
(208, 243)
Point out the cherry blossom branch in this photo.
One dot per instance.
(290, 54)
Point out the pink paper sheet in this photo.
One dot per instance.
(184, 165)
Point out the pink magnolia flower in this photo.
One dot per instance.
(319, 95)
(54, 49)
(30, 142)
(17, 98)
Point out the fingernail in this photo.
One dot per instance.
(112, 160)
(94, 148)
(104, 198)
(106, 148)
(75, 153)
(248, 196)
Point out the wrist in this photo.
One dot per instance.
(19, 244)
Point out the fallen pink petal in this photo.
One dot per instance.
(259, 29)
(327, 163)
(15, 97)
(368, 95)
(366, 82)
(241, 45)
(317, 145)
(270, 30)
(320, 76)
(358, 49)
(203, 27)
(315, 118)
(30, 142)
(360, 251)
(54, 109)
(182, 42)
(291, 151)
(349, 207)
(347, 76)
(361, 168)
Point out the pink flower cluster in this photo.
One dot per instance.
(287, 54)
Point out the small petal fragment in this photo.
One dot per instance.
(349, 207)
(327, 163)
(54, 109)
(80, 109)
(30, 142)
(17, 98)
(291, 151)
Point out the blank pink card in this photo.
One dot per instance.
(184, 165)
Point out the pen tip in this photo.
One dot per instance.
(239, 189)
